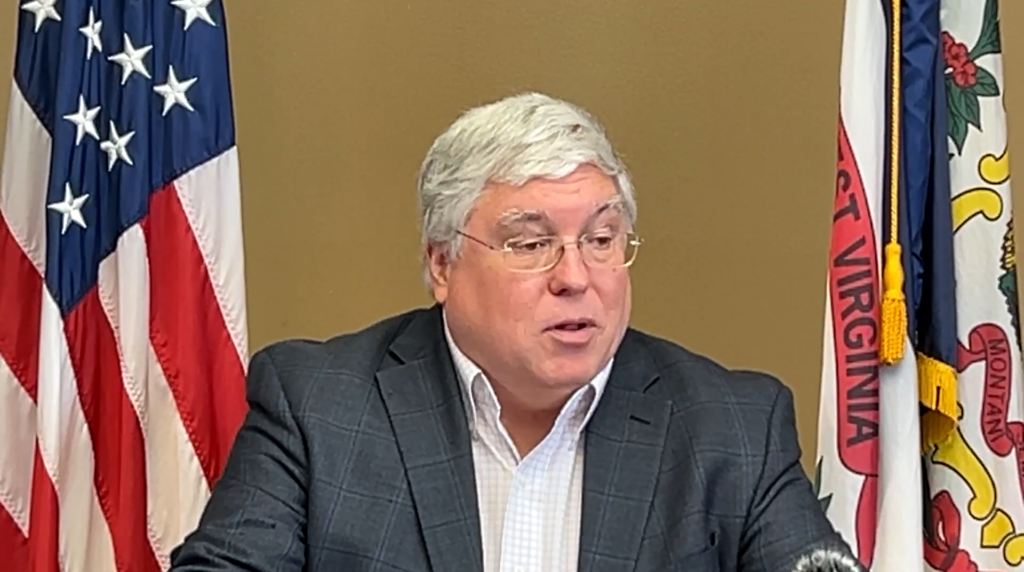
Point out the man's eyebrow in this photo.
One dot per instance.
(612, 204)
(517, 216)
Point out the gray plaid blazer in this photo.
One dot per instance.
(355, 456)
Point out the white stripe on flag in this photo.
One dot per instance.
(26, 165)
(209, 195)
(17, 447)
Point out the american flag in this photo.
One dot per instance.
(122, 312)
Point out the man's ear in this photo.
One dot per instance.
(439, 264)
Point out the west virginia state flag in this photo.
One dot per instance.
(976, 473)
(921, 447)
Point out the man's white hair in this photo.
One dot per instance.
(509, 141)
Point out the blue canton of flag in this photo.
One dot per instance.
(123, 344)
(134, 93)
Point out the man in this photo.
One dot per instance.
(519, 425)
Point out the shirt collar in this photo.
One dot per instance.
(475, 386)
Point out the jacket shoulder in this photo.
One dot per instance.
(688, 376)
(729, 420)
(353, 356)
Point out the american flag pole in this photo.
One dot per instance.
(123, 341)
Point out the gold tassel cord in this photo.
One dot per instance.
(894, 304)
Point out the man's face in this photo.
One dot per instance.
(521, 328)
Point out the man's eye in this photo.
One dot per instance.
(601, 241)
(530, 246)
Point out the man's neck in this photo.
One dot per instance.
(527, 423)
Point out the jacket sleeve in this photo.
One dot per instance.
(255, 518)
(786, 529)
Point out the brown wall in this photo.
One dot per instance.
(725, 112)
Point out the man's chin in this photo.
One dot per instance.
(571, 371)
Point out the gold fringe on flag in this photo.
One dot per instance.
(936, 385)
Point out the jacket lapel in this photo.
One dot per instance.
(420, 391)
(624, 443)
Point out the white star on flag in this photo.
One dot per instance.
(174, 91)
(194, 9)
(117, 147)
(43, 10)
(131, 60)
(70, 209)
(91, 31)
(83, 120)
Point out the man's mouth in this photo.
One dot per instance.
(574, 325)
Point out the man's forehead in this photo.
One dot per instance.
(519, 214)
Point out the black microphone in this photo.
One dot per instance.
(828, 560)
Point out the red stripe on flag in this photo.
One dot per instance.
(44, 522)
(21, 298)
(13, 544)
(118, 446)
(189, 334)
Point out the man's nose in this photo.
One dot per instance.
(570, 275)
